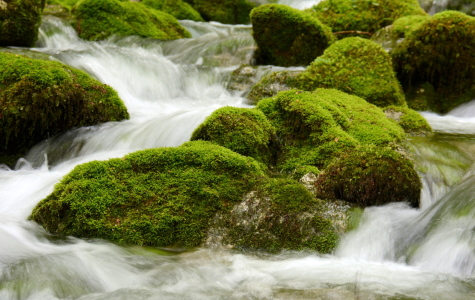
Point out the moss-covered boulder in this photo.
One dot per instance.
(436, 62)
(272, 84)
(19, 22)
(347, 16)
(315, 127)
(41, 98)
(177, 8)
(280, 215)
(98, 19)
(286, 36)
(243, 130)
(224, 11)
(370, 176)
(410, 120)
(356, 66)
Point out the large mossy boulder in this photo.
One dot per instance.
(368, 16)
(316, 127)
(19, 22)
(224, 11)
(286, 36)
(370, 176)
(41, 98)
(242, 130)
(176, 196)
(436, 62)
(356, 66)
(177, 8)
(98, 19)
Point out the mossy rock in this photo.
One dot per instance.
(41, 98)
(286, 36)
(243, 78)
(272, 84)
(370, 176)
(410, 120)
(224, 11)
(438, 55)
(282, 214)
(242, 130)
(19, 22)
(59, 8)
(154, 197)
(356, 66)
(368, 16)
(465, 6)
(177, 8)
(315, 127)
(98, 19)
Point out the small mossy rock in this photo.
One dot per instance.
(370, 176)
(286, 36)
(272, 84)
(280, 215)
(363, 15)
(98, 19)
(19, 22)
(154, 197)
(41, 98)
(177, 8)
(438, 55)
(242, 130)
(243, 78)
(356, 66)
(59, 8)
(315, 127)
(410, 120)
(224, 11)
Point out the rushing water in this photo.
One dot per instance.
(169, 88)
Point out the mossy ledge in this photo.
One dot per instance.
(41, 98)
(98, 19)
(286, 36)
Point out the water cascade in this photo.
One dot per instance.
(397, 252)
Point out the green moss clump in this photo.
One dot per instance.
(177, 8)
(98, 19)
(154, 197)
(41, 98)
(281, 215)
(436, 62)
(224, 11)
(286, 36)
(410, 120)
(19, 22)
(242, 130)
(363, 15)
(315, 127)
(356, 66)
(272, 84)
(370, 176)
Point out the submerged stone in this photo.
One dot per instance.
(286, 36)
(40, 98)
(19, 22)
(98, 19)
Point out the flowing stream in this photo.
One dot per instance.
(169, 88)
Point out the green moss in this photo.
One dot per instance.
(224, 11)
(177, 8)
(282, 214)
(273, 83)
(438, 54)
(315, 127)
(404, 25)
(243, 130)
(155, 197)
(19, 22)
(41, 98)
(410, 120)
(286, 36)
(356, 66)
(363, 15)
(98, 19)
(370, 176)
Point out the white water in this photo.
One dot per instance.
(396, 253)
